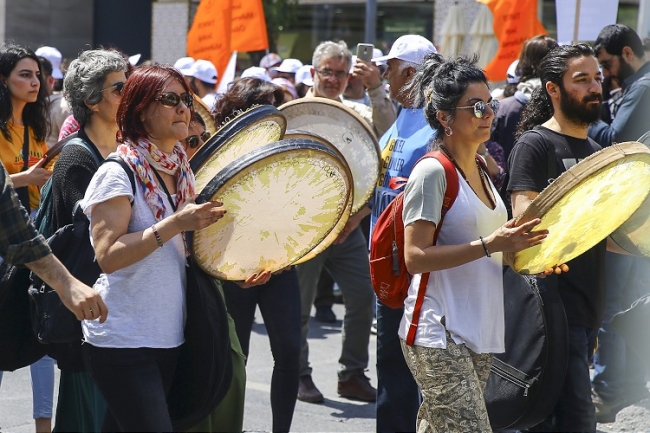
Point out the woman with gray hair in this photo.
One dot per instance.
(92, 87)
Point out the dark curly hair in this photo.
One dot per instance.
(551, 69)
(35, 114)
(243, 94)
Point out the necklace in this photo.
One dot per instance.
(481, 173)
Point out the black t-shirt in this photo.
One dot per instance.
(582, 289)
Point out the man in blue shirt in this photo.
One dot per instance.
(401, 146)
(619, 374)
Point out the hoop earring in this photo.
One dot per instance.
(448, 131)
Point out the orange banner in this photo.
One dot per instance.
(248, 26)
(515, 21)
(223, 26)
(209, 37)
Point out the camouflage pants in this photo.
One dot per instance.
(452, 382)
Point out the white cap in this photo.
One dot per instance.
(286, 85)
(289, 66)
(204, 70)
(55, 57)
(376, 52)
(513, 78)
(410, 48)
(303, 76)
(256, 72)
(184, 65)
(270, 60)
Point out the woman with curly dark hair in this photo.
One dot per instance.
(243, 94)
(279, 298)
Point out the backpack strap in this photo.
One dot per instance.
(450, 196)
(127, 169)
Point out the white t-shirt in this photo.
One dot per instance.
(146, 300)
(470, 296)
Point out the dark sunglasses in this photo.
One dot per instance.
(117, 87)
(193, 140)
(480, 107)
(171, 99)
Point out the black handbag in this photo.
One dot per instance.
(204, 369)
(52, 322)
(526, 380)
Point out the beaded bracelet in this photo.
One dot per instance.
(157, 235)
(487, 252)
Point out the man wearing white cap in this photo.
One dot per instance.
(203, 80)
(270, 60)
(401, 146)
(256, 72)
(184, 65)
(58, 106)
(287, 69)
(303, 80)
(346, 260)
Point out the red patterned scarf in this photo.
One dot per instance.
(142, 156)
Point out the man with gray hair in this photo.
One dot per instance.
(331, 71)
(401, 146)
(346, 260)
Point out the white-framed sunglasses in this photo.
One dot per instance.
(480, 107)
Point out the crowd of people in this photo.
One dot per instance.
(566, 100)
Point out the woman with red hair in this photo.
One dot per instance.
(138, 236)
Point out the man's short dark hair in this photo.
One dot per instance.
(615, 37)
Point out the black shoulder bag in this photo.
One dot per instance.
(52, 322)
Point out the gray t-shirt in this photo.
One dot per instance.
(146, 300)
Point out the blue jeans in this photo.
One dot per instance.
(42, 372)
(398, 396)
(279, 303)
(574, 410)
(619, 372)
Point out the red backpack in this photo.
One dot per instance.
(388, 273)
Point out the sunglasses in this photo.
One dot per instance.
(480, 107)
(116, 87)
(171, 99)
(193, 140)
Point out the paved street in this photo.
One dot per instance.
(335, 415)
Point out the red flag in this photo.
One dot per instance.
(248, 26)
(209, 37)
(221, 27)
(515, 21)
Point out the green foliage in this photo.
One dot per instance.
(280, 14)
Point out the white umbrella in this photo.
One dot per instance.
(484, 43)
(453, 31)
